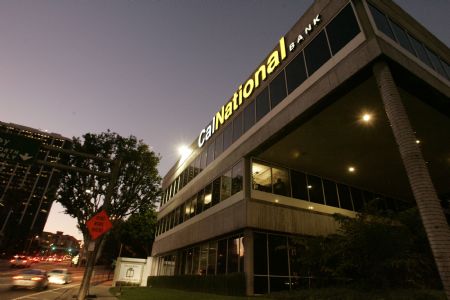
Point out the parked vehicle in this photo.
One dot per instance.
(59, 276)
(31, 278)
(20, 262)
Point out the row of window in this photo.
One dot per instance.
(410, 43)
(211, 258)
(339, 32)
(220, 189)
(315, 189)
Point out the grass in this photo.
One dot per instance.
(144, 293)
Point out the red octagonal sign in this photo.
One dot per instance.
(98, 224)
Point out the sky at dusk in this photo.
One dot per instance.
(158, 70)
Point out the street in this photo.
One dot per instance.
(54, 291)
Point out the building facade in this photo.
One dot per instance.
(27, 190)
(308, 135)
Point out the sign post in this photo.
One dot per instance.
(18, 149)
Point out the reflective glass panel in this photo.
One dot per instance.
(237, 127)
(221, 256)
(260, 253)
(342, 29)
(237, 177)
(315, 189)
(330, 190)
(216, 191)
(277, 89)
(317, 53)
(262, 104)
(299, 189)
(262, 177)
(296, 72)
(212, 257)
(381, 22)
(280, 182)
(225, 190)
(278, 257)
(249, 116)
(227, 136)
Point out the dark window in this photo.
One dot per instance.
(342, 29)
(225, 190)
(195, 260)
(279, 283)
(436, 62)
(203, 259)
(447, 68)
(260, 254)
(237, 175)
(315, 189)
(261, 284)
(277, 89)
(181, 216)
(249, 116)
(233, 255)
(190, 175)
(188, 269)
(203, 160)
(262, 104)
(331, 197)
(187, 210)
(357, 198)
(185, 177)
(193, 211)
(420, 51)
(280, 182)
(381, 21)
(299, 186)
(216, 191)
(317, 53)
(210, 156)
(237, 127)
(344, 197)
(197, 165)
(296, 72)
(402, 38)
(208, 197)
(278, 258)
(200, 201)
(227, 136)
(222, 257)
(212, 257)
(219, 145)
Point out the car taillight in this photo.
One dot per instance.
(24, 261)
(12, 260)
(17, 277)
(36, 278)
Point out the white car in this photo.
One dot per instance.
(31, 278)
(59, 276)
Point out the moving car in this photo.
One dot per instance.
(20, 262)
(31, 278)
(59, 276)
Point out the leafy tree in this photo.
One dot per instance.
(138, 184)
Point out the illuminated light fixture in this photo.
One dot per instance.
(276, 200)
(417, 141)
(310, 207)
(208, 199)
(366, 117)
(184, 152)
(351, 169)
(309, 186)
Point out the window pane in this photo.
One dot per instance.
(299, 189)
(216, 191)
(193, 206)
(210, 155)
(277, 89)
(342, 29)
(227, 137)
(182, 207)
(200, 201)
(197, 165)
(262, 178)
(225, 190)
(261, 284)
(237, 127)
(315, 189)
(221, 256)
(280, 181)
(436, 62)
(278, 258)
(233, 255)
(219, 145)
(212, 257)
(344, 197)
(237, 175)
(260, 254)
(278, 284)
(402, 38)
(446, 67)
(330, 191)
(249, 116)
(381, 21)
(187, 210)
(420, 51)
(203, 259)
(188, 269)
(296, 72)
(317, 53)
(262, 104)
(195, 260)
(358, 202)
(203, 160)
(208, 197)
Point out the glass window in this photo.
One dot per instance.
(260, 253)
(249, 116)
(200, 201)
(187, 210)
(216, 191)
(193, 209)
(279, 283)
(190, 174)
(357, 199)
(277, 89)
(317, 53)
(381, 22)
(195, 260)
(222, 257)
(262, 104)
(225, 190)
(315, 189)
(401, 36)
(210, 155)
(237, 177)
(344, 197)
(197, 165)
(219, 145)
(280, 182)
(181, 217)
(183, 262)
(212, 258)
(330, 191)
(208, 197)
(296, 72)
(185, 176)
(227, 136)
(262, 177)
(233, 255)
(278, 257)
(188, 269)
(237, 127)
(261, 284)
(420, 51)
(298, 182)
(436, 62)
(342, 29)
(203, 259)
(446, 67)
(203, 159)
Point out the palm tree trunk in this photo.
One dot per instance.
(431, 212)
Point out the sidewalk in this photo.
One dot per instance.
(99, 291)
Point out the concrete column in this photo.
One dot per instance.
(248, 261)
(428, 203)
